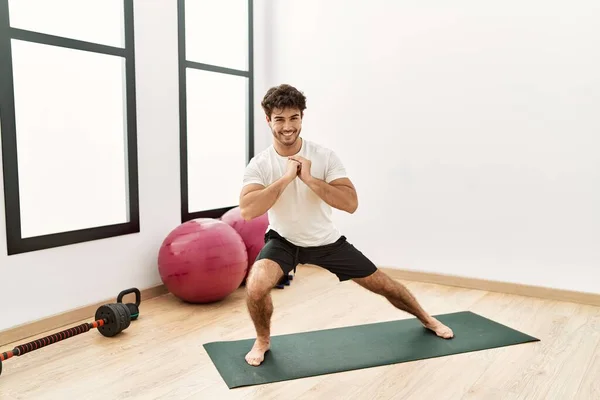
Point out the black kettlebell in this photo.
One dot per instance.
(134, 308)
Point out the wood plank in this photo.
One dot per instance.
(589, 388)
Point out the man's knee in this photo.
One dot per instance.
(263, 275)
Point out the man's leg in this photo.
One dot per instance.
(276, 259)
(397, 294)
(263, 276)
(347, 262)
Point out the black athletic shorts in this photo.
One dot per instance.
(340, 257)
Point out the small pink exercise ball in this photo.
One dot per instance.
(252, 232)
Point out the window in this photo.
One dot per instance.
(216, 91)
(68, 122)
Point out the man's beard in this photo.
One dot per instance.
(287, 140)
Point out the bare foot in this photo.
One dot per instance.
(440, 329)
(257, 355)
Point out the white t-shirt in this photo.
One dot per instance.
(299, 215)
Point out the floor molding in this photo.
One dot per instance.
(496, 286)
(41, 326)
(61, 320)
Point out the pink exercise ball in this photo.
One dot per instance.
(252, 232)
(202, 261)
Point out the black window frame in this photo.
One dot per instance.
(186, 215)
(16, 244)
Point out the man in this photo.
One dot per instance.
(298, 182)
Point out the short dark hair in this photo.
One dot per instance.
(283, 96)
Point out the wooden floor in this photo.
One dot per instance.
(161, 355)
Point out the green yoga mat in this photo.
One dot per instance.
(328, 351)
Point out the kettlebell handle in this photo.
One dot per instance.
(138, 296)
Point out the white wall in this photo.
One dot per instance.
(55, 280)
(43, 283)
(471, 130)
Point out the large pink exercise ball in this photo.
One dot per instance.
(202, 261)
(252, 232)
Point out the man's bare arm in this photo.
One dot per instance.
(255, 199)
(340, 193)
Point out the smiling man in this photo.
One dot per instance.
(298, 182)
